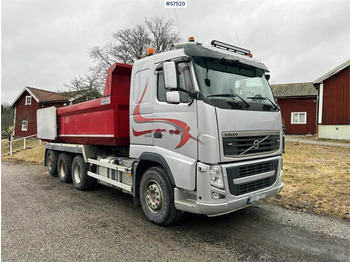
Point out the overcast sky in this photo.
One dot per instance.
(45, 43)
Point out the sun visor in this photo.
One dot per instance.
(201, 51)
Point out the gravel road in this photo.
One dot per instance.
(46, 220)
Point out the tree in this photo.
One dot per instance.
(128, 45)
(163, 36)
(7, 121)
(88, 86)
(133, 43)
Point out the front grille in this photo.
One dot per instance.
(255, 185)
(250, 170)
(248, 145)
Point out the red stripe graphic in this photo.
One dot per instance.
(181, 127)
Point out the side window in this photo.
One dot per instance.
(24, 125)
(28, 100)
(185, 82)
(140, 84)
(161, 91)
(298, 118)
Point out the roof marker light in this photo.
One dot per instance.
(191, 39)
(150, 51)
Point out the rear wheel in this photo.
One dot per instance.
(81, 180)
(157, 197)
(64, 167)
(51, 162)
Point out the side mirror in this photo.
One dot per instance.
(173, 97)
(170, 75)
(267, 77)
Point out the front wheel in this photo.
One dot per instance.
(157, 197)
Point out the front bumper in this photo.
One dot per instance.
(202, 201)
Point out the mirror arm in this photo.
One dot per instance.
(183, 90)
(195, 94)
(159, 67)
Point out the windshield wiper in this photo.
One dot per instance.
(264, 98)
(232, 96)
(223, 95)
(245, 102)
(272, 103)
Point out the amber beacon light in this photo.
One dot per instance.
(150, 51)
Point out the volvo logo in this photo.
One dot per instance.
(256, 144)
(230, 134)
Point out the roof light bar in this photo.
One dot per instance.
(229, 47)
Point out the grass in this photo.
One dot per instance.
(315, 138)
(33, 153)
(316, 177)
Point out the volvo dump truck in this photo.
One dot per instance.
(195, 129)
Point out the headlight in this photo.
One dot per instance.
(280, 179)
(281, 172)
(216, 177)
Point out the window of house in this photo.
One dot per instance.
(28, 100)
(24, 125)
(298, 118)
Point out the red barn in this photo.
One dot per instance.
(298, 107)
(334, 103)
(28, 102)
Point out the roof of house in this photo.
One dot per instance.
(294, 90)
(44, 96)
(332, 72)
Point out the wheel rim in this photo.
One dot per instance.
(49, 162)
(154, 196)
(77, 173)
(61, 169)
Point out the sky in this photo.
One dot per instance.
(45, 43)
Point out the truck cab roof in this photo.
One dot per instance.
(198, 50)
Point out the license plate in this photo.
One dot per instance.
(261, 196)
(256, 198)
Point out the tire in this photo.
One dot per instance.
(51, 162)
(81, 180)
(157, 197)
(64, 167)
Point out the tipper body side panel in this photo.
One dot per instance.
(103, 121)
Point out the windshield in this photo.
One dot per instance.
(228, 84)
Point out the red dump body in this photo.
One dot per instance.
(104, 121)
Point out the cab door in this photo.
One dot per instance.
(175, 125)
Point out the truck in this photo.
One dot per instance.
(195, 129)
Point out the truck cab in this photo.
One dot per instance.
(208, 114)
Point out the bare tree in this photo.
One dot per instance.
(132, 43)
(163, 36)
(129, 45)
(7, 121)
(88, 86)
